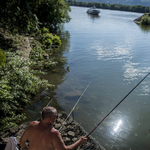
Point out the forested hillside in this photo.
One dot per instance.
(124, 2)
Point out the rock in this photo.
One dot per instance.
(66, 139)
(13, 130)
(70, 120)
(20, 132)
(23, 126)
(73, 93)
(18, 138)
(57, 126)
(71, 134)
(5, 140)
(59, 120)
(74, 139)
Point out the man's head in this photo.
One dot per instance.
(48, 112)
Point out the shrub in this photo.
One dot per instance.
(56, 40)
(45, 30)
(145, 20)
(17, 83)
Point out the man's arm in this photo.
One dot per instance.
(59, 144)
(23, 139)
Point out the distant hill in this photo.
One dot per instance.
(123, 2)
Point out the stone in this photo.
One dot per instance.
(59, 120)
(74, 139)
(66, 139)
(18, 138)
(5, 140)
(57, 126)
(70, 121)
(13, 130)
(71, 134)
(4, 134)
(20, 132)
(23, 126)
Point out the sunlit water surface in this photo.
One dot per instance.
(111, 53)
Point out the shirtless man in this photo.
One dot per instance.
(42, 135)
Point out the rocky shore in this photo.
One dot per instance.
(71, 132)
(137, 20)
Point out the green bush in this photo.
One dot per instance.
(47, 39)
(145, 20)
(45, 30)
(56, 40)
(17, 83)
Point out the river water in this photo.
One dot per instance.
(111, 53)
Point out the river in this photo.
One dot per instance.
(111, 53)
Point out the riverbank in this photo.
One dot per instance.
(27, 57)
(71, 132)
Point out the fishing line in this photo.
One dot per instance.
(49, 102)
(117, 105)
(75, 106)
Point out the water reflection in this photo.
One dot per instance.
(145, 28)
(93, 16)
(131, 71)
(107, 51)
(118, 126)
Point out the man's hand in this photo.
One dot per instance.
(83, 140)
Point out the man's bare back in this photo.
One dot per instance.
(42, 136)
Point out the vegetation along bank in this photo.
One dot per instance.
(120, 7)
(28, 45)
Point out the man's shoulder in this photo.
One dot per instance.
(34, 123)
(54, 132)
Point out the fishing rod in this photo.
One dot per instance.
(75, 105)
(117, 105)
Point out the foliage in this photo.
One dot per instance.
(145, 20)
(16, 16)
(53, 12)
(48, 38)
(27, 15)
(2, 57)
(17, 83)
(56, 40)
(39, 53)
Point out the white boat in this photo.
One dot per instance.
(93, 10)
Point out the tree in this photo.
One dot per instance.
(105, 6)
(53, 12)
(26, 15)
(17, 16)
